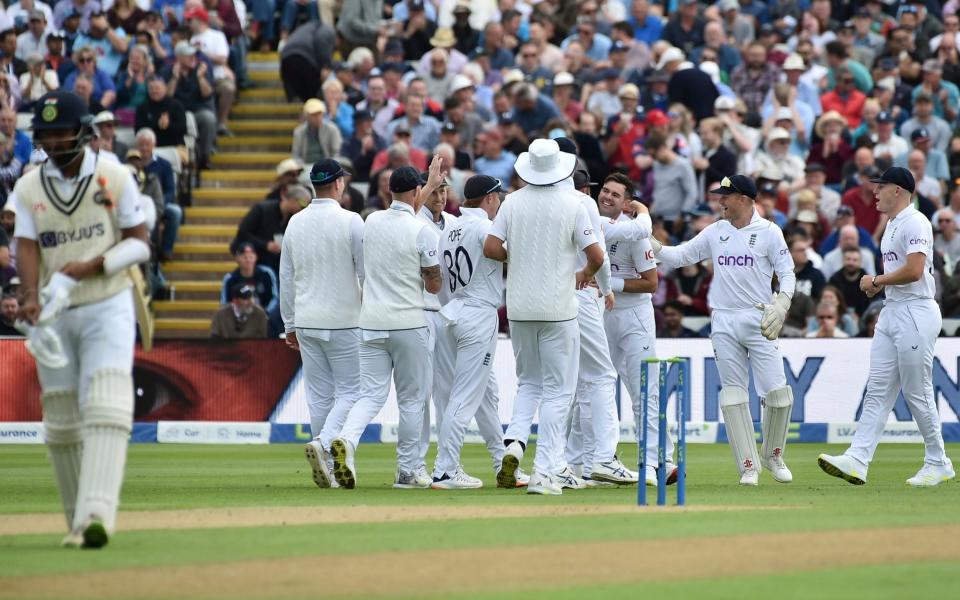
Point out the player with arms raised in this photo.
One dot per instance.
(79, 229)
(747, 251)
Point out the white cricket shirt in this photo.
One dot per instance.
(628, 259)
(907, 233)
(744, 262)
(468, 275)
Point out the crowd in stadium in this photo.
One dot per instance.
(810, 97)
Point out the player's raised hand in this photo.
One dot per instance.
(639, 208)
(435, 172)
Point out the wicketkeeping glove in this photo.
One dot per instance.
(774, 315)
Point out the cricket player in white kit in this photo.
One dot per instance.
(901, 353)
(747, 251)
(321, 273)
(400, 262)
(539, 231)
(475, 284)
(79, 229)
(630, 326)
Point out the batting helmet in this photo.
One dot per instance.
(61, 109)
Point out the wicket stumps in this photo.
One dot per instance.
(683, 398)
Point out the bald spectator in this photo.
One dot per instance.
(674, 183)
(946, 241)
(926, 186)
(424, 129)
(753, 79)
(888, 144)
(532, 109)
(400, 153)
(714, 38)
(494, 160)
(849, 239)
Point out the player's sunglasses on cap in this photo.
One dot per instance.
(479, 186)
(736, 184)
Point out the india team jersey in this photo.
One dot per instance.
(628, 259)
(467, 274)
(744, 262)
(907, 233)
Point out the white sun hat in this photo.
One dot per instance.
(544, 164)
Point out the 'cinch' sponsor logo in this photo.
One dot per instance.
(890, 256)
(919, 242)
(52, 239)
(743, 260)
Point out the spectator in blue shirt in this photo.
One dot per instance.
(22, 146)
(153, 164)
(595, 45)
(66, 8)
(492, 48)
(494, 161)
(104, 90)
(110, 45)
(646, 27)
(532, 109)
(261, 278)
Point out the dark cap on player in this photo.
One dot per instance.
(405, 179)
(566, 145)
(60, 109)
(479, 186)
(897, 176)
(326, 171)
(736, 184)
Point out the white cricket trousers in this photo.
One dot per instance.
(88, 406)
(547, 354)
(901, 358)
(438, 386)
(596, 384)
(331, 364)
(405, 353)
(739, 345)
(631, 333)
(475, 338)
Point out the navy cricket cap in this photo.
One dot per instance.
(326, 171)
(566, 145)
(897, 176)
(736, 184)
(884, 117)
(405, 179)
(60, 109)
(479, 186)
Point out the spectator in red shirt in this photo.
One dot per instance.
(688, 285)
(845, 98)
(860, 200)
(832, 151)
(621, 132)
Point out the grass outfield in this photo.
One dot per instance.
(247, 521)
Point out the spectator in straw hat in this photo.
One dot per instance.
(444, 39)
(776, 153)
(832, 151)
(316, 137)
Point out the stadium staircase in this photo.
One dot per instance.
(240, 175)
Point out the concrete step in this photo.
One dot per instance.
(232, 214)
(269, 111)
(262, 160)
(263, 95)
(191, 289)
(258, 143)
(179, 306)
(229, 196)
(268, 57)
(265, 127)
(167, 328)
(266, 78)
(229, 178)
(205, 248)
(223, 232)
(178, 271)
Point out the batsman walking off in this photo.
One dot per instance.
(747, 251)
(901, 353)
(79, 229)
